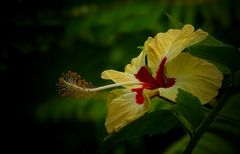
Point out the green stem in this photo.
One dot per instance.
(205, 124)
(184, 123)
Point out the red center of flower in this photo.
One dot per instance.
(149, 82)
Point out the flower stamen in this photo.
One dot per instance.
(71, 84)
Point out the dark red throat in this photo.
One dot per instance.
(149, 82)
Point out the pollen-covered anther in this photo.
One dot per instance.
(71, 84)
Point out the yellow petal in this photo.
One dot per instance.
(123, 110)
(121, 77)
(194, 75)
(170, 44)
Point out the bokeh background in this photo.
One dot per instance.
(42, 39)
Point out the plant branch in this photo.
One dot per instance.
(205, 124)
(184, 123)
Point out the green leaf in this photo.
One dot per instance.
(212, 41)
(151, 123)
(158, 103)
(190, 107)
(215, 50)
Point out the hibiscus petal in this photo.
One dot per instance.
(121, 77)
(170, 44)
(123, 110)
(194, 75)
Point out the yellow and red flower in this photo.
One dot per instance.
(160, 70)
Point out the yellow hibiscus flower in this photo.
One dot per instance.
(167, 69)
(160, 70)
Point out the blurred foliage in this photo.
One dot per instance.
(60, 108)
(42, 39)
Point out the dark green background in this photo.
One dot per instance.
(42, 39)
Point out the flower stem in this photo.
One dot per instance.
(205, 124)
(114, 86)
(184, 123)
